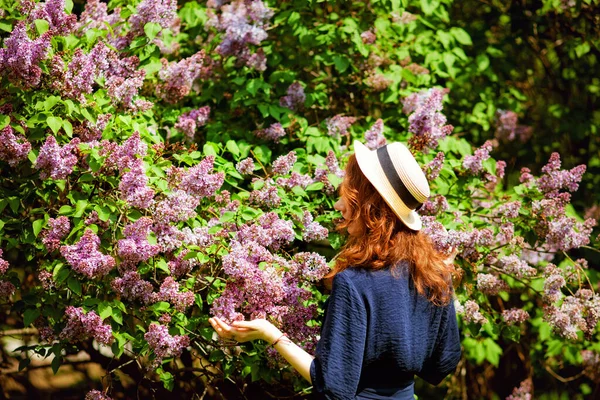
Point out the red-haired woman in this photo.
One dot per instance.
(390, 314)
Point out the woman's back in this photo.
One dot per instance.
(379, 332)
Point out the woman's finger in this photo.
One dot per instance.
(244, 324)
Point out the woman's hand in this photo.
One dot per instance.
(244, 331)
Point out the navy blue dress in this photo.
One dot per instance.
(377, 334)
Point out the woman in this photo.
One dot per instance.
(390, 314)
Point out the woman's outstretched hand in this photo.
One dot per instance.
(244, 331)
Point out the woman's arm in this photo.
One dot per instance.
(243, 331)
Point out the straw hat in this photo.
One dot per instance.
(398, 178)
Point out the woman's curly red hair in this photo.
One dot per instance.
(384, 240)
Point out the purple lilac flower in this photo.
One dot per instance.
(198, 181)
(565, 233)
(284, 164)
(523, 392)
(59, 228)
(591, 365)
(374, 135)
(96, 394)
(295, 98)
(132, 287)
(312, 229)
(491, 284)
(338, 125)
(427, 123)
(122, 90)
(526, 176)
(7, 289)
(368, 37)
(179, 266)
(514, 316)
(474, 163)
(84, 69)
(295, 179)
(555, 179)
(190, 121)
(509, 210)
(472, 314)
(3, 264)
(269, 231)
(274, 132)
(376, 81)
(331, 167)
(434, 205)
(89, 132)
(162, 12)
(135, 248)
(53, 11)
(163, 344)
(433, 168)
(507, 232)
(561, 320)
(553, 284)
(500, 169)
(13, 149)
(243, 23)
(19, 61)
(266, 196)
(84, 256)
(46, 279)
(177, 206)
(311, 266)
(168, 237)
(95, 16)
(507, 128)
(169, 292)
(134, 187)
(54, 161)
(245, 167)
(517, 267)
(178, 77)
(81, 326)
(125, 155)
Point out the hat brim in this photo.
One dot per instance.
(371, 168)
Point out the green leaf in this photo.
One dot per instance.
(167, 380)
(117, 316)
(67, 127)
(233, 148)
(41, 26)
(461, 36)
(104, 310)
(24, 363)
(56, 362)
(4, 121)
(429, 6)
(75, 286)
(55, 123)
(151, 29)
(37, 226)
(30, 315)
(60, 273)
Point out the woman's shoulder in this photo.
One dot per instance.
(361, 276)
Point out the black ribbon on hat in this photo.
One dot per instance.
(394, 179)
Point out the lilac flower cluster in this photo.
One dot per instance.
(284, 164)
(178, 77)
(53, 11)
(491, 284)
(190, 121)
(295, 97)
(507, 128)
(125, 155)
(368, 37)
(472, 314)
(274, 132)
(427, 123)
(515, 316)
(83, 70)
(266, 196)
(135, 248)
(134, 186)
(374, 136)
(3, 264)
(56, 162)
(13, 149)
(59, 228)
(244, 23)
(474, 164)
(509, 210)
(312, 229)
(565, 233)
(169, 292)
(199, 181)
(507, 233)
(517, 267)
(591, 365)
(96, 394)
(162, 12)
(163, 344)
(523, 392)
(179, 266)
(555, 179)
(434, 205)
(177, 206)
(269, 231)
(46, 279)
(20, 60)
(432, 169)
(376, 81)
(245, 167)
(81, 326)
(466, 242)
(295, 179)
(122, 90)
(95, 16)
(331, 167)
(89, 132)
(338, 125)
(310, 266)
(553, 283)
(85, 257)
(7, 289)
(132, 287)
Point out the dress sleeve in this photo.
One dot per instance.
(446, 352)
(336, 368)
